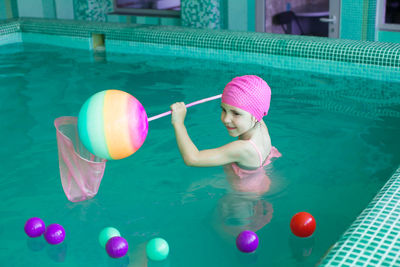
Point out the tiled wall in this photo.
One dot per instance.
(351, 24)
(202, 13)
(370, 20)
(8, 9)
(358, 22)
(358, 19)
(357, 16)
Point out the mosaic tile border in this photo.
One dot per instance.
(9, 26)
(362, 52)
(383, 73)
(374, 237)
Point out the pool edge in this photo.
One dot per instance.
(373, 239)
(341, 50)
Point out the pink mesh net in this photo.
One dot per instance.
(81, 172)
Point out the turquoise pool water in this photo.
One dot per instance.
(338, 136)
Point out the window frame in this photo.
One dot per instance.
(380, 15)
(144, 12)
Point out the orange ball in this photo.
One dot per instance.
(302, 224)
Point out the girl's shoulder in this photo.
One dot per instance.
(245, 148)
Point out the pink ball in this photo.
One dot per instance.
(34, 227)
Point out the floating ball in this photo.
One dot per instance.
(247, 241)
(106, 234)
(54, 234)
(157, 249)
(117, 247)
(34, 227)
(112, 124)
(302, 224)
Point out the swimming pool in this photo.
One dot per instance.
(337, 135)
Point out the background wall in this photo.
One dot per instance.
(8, 9)
(358, 19)
(357, 16)
(91, 10)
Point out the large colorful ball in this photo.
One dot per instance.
(34, 227)
(117, 247)
(302, 224)
(54, 234)
(112, 124)
(247, 241)
(157, 249)
(106, 234)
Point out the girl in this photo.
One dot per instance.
(245, 101)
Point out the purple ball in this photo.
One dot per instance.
(117, 247)
(54, 234)
(247, 241)
(34, 227)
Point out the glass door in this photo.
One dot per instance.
(334, 19)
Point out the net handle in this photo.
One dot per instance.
(188, 105)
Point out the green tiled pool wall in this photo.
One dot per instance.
(369, 53)
(9, 26)
(11, 38)
(66, 41)
(374, 238)
(276, 61)
(10, 32)
(357, 19)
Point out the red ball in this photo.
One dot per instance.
(302, 224)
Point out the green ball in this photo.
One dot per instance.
(157, 249)
(106, 234)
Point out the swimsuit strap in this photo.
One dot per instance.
(258, 152)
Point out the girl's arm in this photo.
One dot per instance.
(228, 153)
(232, 152)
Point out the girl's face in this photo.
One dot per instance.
(236, 120)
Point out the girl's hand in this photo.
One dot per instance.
(178, 112)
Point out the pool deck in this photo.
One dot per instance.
(374, 237)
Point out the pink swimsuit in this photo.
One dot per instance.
(246, 179)
(274, 153)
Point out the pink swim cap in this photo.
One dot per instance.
(250, 93)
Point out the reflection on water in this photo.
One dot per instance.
(57, 253)
(236, 212)
(244, 207)
(301, 248)
(139, 258)
(35, 244)
(250, 181)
